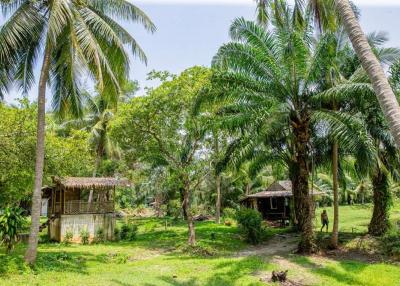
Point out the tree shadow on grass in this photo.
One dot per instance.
(228, 272)
(345, 274)
(55, 261)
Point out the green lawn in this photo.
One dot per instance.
(156, 258)
(355, 218)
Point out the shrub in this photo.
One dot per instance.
(250, 222)
(133, 232)
(99, 236)
(129, 231)
(391, 242)
(117, 233)
(84, 236)
(68, 237)
(229, 213)
(124, 231)
(11, 222)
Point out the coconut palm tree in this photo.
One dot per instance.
(372, 66)
(98, 114)
(72, 37)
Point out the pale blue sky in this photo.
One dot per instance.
(190, 35)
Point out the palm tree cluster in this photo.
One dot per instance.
(300, 96)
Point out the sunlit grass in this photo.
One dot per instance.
(156, 258)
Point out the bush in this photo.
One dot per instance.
(124, 231)
(117, 233)
(68, 237)
(11, 221)
(229, 213)
(84, 236)
(250, 222)
(391, 243)
(129, 231)
(133, 232)
(99, 236)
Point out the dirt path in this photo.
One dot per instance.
(279, 244)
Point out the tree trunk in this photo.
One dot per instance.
(335, 230)
(217, 179)
(380, 217)
(248, 188)
(96, 167)
(182, 197)
(300, 177)
(370, 63)
(186, 207)
(31, 252)
(218, 202)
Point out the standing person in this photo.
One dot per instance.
(324, 220)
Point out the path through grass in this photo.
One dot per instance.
(155, 258)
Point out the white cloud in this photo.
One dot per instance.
(251, 2)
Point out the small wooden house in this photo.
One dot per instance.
(69, 208)
(275, 203)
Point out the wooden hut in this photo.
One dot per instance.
(69, 208)
(275, 203)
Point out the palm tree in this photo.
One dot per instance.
(372, 66)
(99, 113)
(358, 94)
(273, 77)
(325, 16)
(77, 37)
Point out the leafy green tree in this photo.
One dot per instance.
(161, 129)
(96, 48)
(18, 133)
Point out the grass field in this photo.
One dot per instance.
(156, 258)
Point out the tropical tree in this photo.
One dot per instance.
(273, 78)
(74, 37)
(162, 130)
(343, 63)
(17, 156)
(329, 18)
(348, 66)
(372, 66)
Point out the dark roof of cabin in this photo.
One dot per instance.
(90, 182)
(277, 189)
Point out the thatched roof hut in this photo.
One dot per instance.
(90, 182)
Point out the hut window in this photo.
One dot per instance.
(274, 204)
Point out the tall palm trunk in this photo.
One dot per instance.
(31, 252)
(186, 207)
(300, 177)
(335, 230)
(99, 153)
(380, 217)
(217, 180)
(218, 201)
(370, 63)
